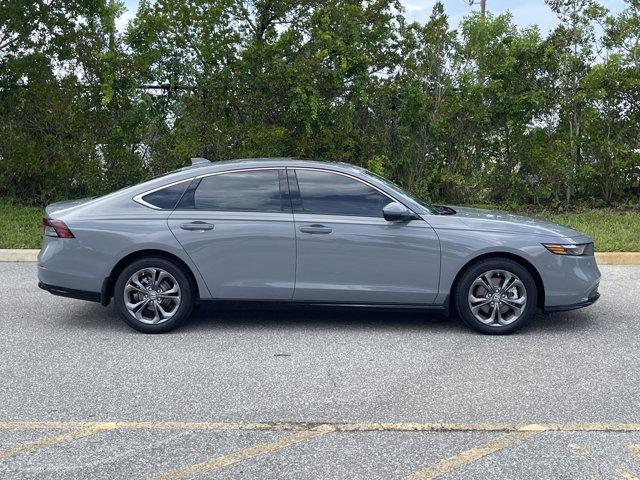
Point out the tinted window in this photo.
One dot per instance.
(331, 194)
(251, 191)
(167, 197)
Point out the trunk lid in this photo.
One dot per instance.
(54, 209)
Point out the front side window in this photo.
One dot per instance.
(243, 191)
(327, 193)
(399, 191)
(167, 197)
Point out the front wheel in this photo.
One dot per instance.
(153, 295)
(496, 296)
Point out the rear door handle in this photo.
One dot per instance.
(316, 228)
(197, 226)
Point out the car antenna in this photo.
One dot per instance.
(199, 161)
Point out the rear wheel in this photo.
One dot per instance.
(496, 296)
(153, 295)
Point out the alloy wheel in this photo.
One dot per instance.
(152, 295)
(497, 298)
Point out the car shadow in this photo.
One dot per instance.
(210, 317)
(315, 318)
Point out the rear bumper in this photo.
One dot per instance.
(71, 293)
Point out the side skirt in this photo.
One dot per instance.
(299, 304)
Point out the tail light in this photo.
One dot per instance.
(56, 228)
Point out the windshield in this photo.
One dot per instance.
(397, 188)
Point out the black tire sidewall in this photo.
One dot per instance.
(475, 270)
(186, 302)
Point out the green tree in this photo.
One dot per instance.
(574, 41)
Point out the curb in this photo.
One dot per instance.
(603, 258)
(18, 255)
(618, 258)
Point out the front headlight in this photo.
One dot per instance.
(579, 249)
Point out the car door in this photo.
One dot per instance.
(238, 229)
(348, 252)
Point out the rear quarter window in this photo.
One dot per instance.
(166, 198)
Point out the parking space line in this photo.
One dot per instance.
(37, 425)
(250, 452)
(54, 440)
(593, 427)
(625, 474)
(583, 453)
(342, 427)
(475, 453)
(425, 427)
(304, 431)
(634, 451)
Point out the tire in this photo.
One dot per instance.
(508, 312)
(175, 304)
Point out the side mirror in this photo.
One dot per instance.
(396, 212)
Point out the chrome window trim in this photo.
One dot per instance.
(248, 169)
(138, 198)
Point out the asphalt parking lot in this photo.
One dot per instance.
(317, 394)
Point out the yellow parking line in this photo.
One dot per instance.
(593, 427)
(303, 431)
(582, 452)
(55, 440)
(230, 459)
(463, 458)
(209, 426)
(45, 424)
(37, 425)
(425, 427)
(343, 427)
(625, 474)
(634, 451)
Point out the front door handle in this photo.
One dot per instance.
(197, 226)
(316, 228)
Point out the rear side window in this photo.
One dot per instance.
(327, 193)
(249, 191)
(166, 198)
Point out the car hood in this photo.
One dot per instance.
(500, 221)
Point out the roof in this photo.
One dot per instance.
(277, 161)
(205, 167)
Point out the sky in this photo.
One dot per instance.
(525, 12)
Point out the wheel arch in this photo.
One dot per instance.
(537, 278)
(109, 282)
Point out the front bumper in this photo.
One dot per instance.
(592, 298)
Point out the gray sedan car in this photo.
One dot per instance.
(312, 233)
